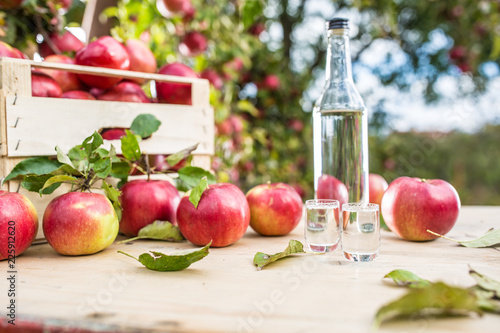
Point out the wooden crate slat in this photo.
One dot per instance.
(36, 125)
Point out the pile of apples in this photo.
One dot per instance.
(104, 52)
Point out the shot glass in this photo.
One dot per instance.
(360, 231)
(322, 227)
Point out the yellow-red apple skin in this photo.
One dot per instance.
(410, 206)
(275, 209)
(377, 186)
(222, 216)
(79, 223)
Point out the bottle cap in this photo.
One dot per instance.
(338, 23)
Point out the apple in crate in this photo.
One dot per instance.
(104, 52)
(275, 209)
(377, 187)
(145, 201)
(175, 93)
(222, 216)
(18, 224)
(141, 58)
(410, 206)
(329, 187)
(66, 80)
(43, 85)
(78, 94)
(79, 223)
(125, 92)
(65, 42)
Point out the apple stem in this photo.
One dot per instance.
(442, 236)
(130, 240)
(269, 184)
(148, 168)
(128, 255)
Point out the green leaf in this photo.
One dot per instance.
(120, 169)
(114, 196)
(36, 183)
(250, 10)
(63, 158)
(59, 179)
(130, 147)
(247, 106)
(406, 278)
(197, 191)
(173, 159)
(159, 230)
(158, 261)
(102, 167)
(486, 282)
(191, 176)
(435, 299)
(33, 166)
(91, 143)
(145, 125)
(490, 238)
(261, 259)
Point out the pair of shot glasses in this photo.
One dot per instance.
(355, 227)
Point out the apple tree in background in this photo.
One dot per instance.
(263, 57)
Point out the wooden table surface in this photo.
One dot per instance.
(109, 292)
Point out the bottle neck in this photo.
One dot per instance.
(338, 61)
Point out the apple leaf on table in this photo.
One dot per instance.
(490, 239)
(261, 259)
(486, 282)
(158, 230)
(440, 299)
(435, 299)
(158, 261)
(406, 278)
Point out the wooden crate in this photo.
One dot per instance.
(33, 126)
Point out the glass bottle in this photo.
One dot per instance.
(340, 128)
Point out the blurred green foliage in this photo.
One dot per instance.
(470, 162)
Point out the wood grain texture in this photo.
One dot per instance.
(35, 125)
(225, 293)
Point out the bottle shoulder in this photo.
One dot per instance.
(341, 95)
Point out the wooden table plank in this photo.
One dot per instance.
(225, 293)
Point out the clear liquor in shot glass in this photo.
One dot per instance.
(360, 231)
(322, 227)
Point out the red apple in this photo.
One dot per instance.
(125, 92)
(257, 29)
(141, 58)
(66, 80)
(214, 78)
(10, 4)
(10, 52)
(18, 223)
(410, 206)
(160, 163)
(296, 125)
(64, 43)
(113, 133)
(78, 223)
(78, 94)
(275, 209)
(271, 82)
(104, 52)
(177, 6)
(144, 202)
(43, 85)
(377, 186)
(193, 44)
(330, 187)
(222, 216)
(175, 93)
